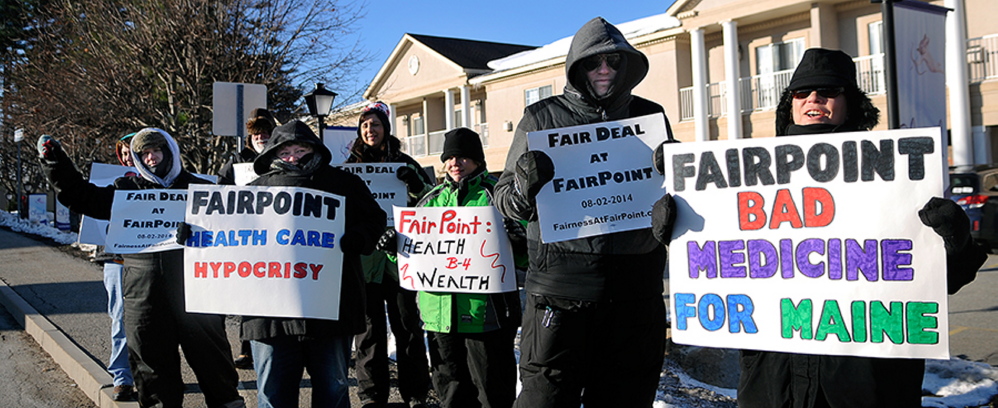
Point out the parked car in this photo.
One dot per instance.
(975, 188)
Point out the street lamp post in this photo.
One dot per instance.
(319, 102)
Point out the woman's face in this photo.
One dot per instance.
(819, 105)
(372, 131)
(126, 156)
(293, 153)
(459, 167)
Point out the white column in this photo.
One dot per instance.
(964, 151)
(448, 109)
(982, 145)
(393, 120)
(466, 106)
(699, 56)
(731, 76)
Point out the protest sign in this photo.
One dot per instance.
(454, 249)
(243, 173)
(604, 177)
(809, 244)
(387, 189)
(276, 246)
(145, 221)
(93, 231)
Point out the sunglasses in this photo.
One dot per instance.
(823, 92)
(593, 62)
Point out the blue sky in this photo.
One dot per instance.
(527, 22)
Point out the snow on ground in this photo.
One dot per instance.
(953, 383)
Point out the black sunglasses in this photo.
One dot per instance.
(823, 92)
(593, 62)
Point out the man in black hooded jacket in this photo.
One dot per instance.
(594, 324)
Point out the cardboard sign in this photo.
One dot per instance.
(387, 189)
(243, 173)
(809, 244)
(145, 220)
(454, 249)
(264, 251)
(94, 231)
(604, 177)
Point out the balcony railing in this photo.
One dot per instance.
(762, 92)
(433, 143)
(982, 58)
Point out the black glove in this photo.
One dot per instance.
(412, 181)
(949, 221)
(658, 156)
(534, 169)
(388, 241)
(48, 148)
(183, 233)
(663, 217)
(516, 233)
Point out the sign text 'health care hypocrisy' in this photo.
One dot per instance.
(294, 266)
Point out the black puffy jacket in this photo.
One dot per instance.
(578, 269)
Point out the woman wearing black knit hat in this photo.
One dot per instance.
(375, 144)
(823, 97)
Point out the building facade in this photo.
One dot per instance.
(700, 53)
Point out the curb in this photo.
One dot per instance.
(89, 376)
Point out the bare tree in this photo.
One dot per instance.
(99, 69)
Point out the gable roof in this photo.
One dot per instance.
(469, 54)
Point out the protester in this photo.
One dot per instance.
(471, 335)
(376, 144)
(258, 127)
(156, 322)
(823, 97)
(121, 374)
(588, 295)
(284, 347)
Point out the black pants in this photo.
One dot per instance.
(372, 345)
(472, 370)
(599, 354)
(156, 323)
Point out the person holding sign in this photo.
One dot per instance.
(259, 126)
(156, 322)
(471, 335)
(376, 144)
(284, 347)
(592, 294)
(823, 97)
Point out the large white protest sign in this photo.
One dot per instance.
(264, 251)
(93, 231)
(809, 244)
(145, 220)
(387, 189)
(454, 249)
(604, 177)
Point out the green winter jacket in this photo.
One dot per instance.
(446, 312)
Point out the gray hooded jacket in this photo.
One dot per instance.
(583, 268)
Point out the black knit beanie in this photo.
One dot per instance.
(463, 142)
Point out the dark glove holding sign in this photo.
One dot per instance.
(663, 213)
(534, 169)
(412, 181)
(963, 256)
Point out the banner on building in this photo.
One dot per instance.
(454, 249)
(264, 251)
(809, 244)
(604, 178)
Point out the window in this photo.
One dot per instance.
(417, 125)
(876, 43)
(535, 94)
(458, 118)
(779, 56)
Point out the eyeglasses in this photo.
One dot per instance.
(823, 92)
(593, 62)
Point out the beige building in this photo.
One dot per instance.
(700, 52)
